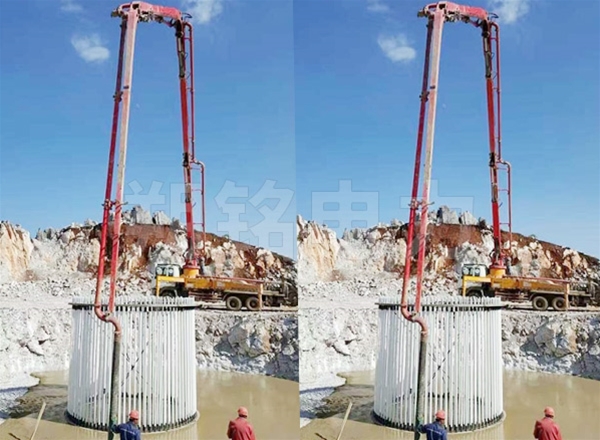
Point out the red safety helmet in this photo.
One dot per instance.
(440, 415)
(549, 411)
(134, 415)
(242, 411)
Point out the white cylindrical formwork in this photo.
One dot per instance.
(158, 363)
(463, 373)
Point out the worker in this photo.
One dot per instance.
(240, 428)
(129, 430)
(436, 430)
(547, 429)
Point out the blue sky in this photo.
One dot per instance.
(357, 112)
(57, 108)
(301, 94)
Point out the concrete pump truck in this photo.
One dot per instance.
(478, 280)
(173, 280)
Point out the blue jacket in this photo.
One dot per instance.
(434, 431)
(128, 431)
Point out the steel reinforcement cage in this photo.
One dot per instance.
(464, 366)
(158, 363)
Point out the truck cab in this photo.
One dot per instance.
(474, 270)
(168, 270)
(475, 280)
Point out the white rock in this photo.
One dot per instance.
(160, 218)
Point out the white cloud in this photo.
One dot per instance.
(396, 48)
(90, 48)
(203, 11)
(70, 6)
(509, 11)
(377, 6)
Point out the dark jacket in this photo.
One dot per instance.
(546, 429)
(240, 429)
(434, 431)
(128, 431)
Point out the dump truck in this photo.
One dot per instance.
(236, 293)
(542, 293)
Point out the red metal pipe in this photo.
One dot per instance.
(202, 193)
(190, 38)
(436, 40)
(132, 21)
(188, 26)
(509, 196)
(109, 180)
(495, 29)
(187, 156)
(426, 91)
(493, 164)
(416, 176)
(495, 36)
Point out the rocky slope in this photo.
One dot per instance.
(38, 276)
(340, 280)
(146, 240)
(451, 241)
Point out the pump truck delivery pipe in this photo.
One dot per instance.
(131, 14)
(437, 14)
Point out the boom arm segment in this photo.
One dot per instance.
(131, 14)
(437, 14)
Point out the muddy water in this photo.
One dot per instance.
(273, 405)
(576, 401)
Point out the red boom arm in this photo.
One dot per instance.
(437, 14)
(131, 14)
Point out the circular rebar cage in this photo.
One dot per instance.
(463, 373)
(158, 363)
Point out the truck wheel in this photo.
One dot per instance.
(559, 303)
(168, 293)
(233, 303)
(540, 303)
(476, 293)
(252, 303)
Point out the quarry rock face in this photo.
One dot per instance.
(147, 240)
(318, 250)
(16, 248)
(345, 276)
(238, 342)
(564, 344)
(39, 276)
(451, 242)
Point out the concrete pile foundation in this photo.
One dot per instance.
(158, 363)
(463, 373)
